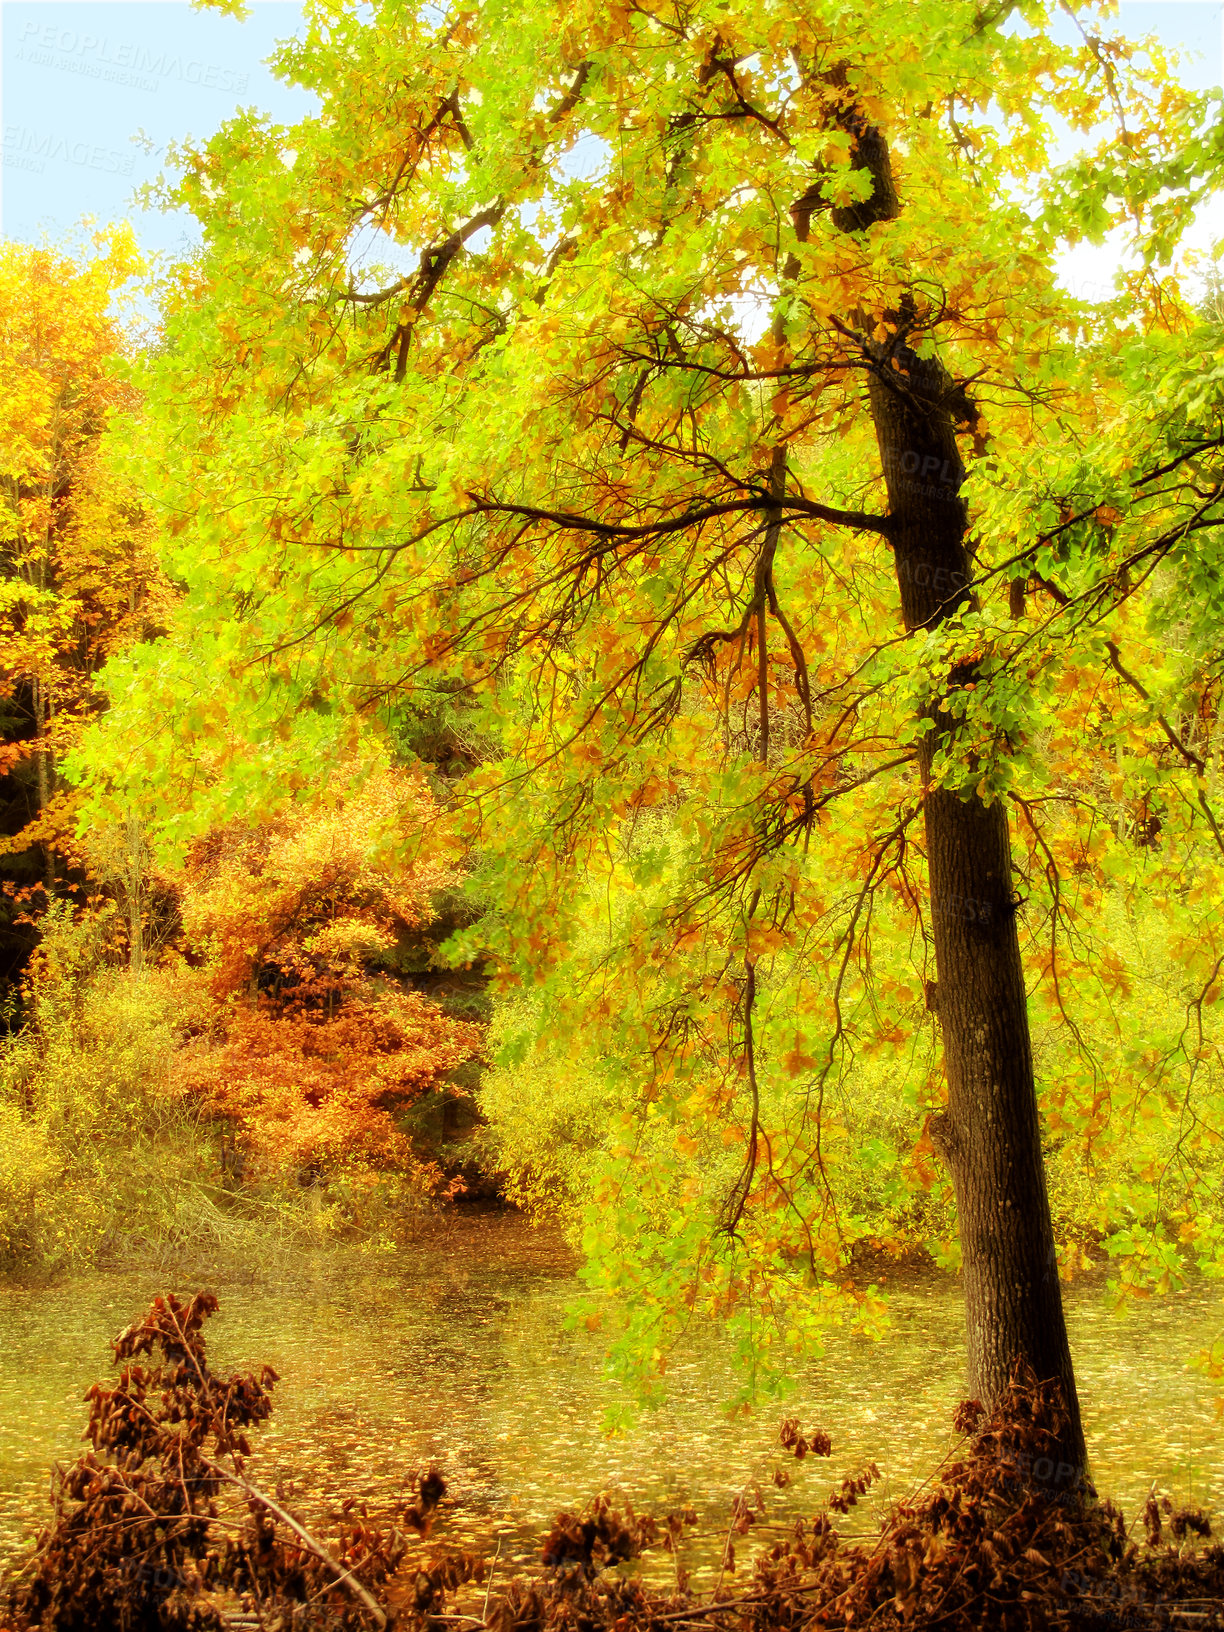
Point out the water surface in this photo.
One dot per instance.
(454, 1352)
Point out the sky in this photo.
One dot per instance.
(91, 91)
(82, 80)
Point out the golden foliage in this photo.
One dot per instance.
(315, 1045)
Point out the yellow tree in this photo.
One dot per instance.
(720, 423)
(78, 576)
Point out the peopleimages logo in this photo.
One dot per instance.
(118, 62)
(26, 149)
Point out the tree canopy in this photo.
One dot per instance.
(684, 398)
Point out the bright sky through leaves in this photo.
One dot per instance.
(82, 77)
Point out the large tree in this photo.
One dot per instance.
(717, 426)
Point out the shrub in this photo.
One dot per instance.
(106, 1157)
(315, 1050)
(98, 1152)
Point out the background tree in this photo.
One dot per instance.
(725, 431)
(78, 573)
(283, 1069)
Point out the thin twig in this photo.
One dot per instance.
(492, 1571)
(345, 1577)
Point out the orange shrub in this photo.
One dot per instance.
(317, 1042)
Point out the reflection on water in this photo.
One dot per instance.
(454, 1352)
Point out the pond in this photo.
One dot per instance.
(454, 1352)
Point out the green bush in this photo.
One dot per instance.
(104, 1160)
(97, 1157)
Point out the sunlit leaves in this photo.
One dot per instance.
(533, 468)
(80, 576)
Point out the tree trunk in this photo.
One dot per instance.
(134, 889)
(990, 1136)
(45, 769)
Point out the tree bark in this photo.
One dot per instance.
(45, 769)
(133, 856)
(990, 1135)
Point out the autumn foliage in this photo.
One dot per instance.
(315, 1041)
(603, 451)
(79, 579)
(272, 1073)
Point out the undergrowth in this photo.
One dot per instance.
(107, 1160)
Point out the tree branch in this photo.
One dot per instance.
(1188, 754)
(573, 522)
